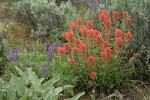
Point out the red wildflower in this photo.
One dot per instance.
(83, 30)
(91, 31)
(98, 39)
(66, 45)
(94, 33)
(103, 55)
(128, 36)
(108, 22)
(77, 41)
(89, 24)
(72, 26)
(106, 43)
(118, 32)
(116, 15)
(129, 20)
(103, 15)
(106, 54)
(118, 41)
(61, 51)
(69, 36)
(108, 50)
(97, 32)
(125, 13)
(82, 47)
(104, 11)
(91, 60)
(73, 50)
(72, 61)
(93, 75)
(79, 20)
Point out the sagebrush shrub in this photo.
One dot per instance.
(46, 19)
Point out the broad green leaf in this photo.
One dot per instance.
(23, 74)
(53, 98)
(27, 93)
(49, 84)
(34, 80)
(47, 94)
(56, 91)
(19, 85)
(1, 83)
(53, 93)
(67, 87)
(41, 80)
(33, 77)
(76, 97)
(11, 94)
(1, 94)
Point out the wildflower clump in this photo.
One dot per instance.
(91, 51)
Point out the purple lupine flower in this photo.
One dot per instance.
(44, 69)
(55, 45)
(26, 64)
(7, 49)
(50, 54)
(14, 56)
(51, 49)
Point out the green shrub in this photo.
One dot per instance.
(46, 19)
(139, 10)
(142, 64)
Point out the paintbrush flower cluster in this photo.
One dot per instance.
(91, 46)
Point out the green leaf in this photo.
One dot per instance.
(22, 74)
(50, 83)
(76, 97)
(1, 94)
(27, 93)
(1, 83)
(11, 94)
(19, 85)
(54, 94)
(5, 42)
(47, 94)
(34, 80)
(33, 77)
(67, 87)
(56, 91)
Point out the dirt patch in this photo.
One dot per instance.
(21, 35)
(14, 29)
